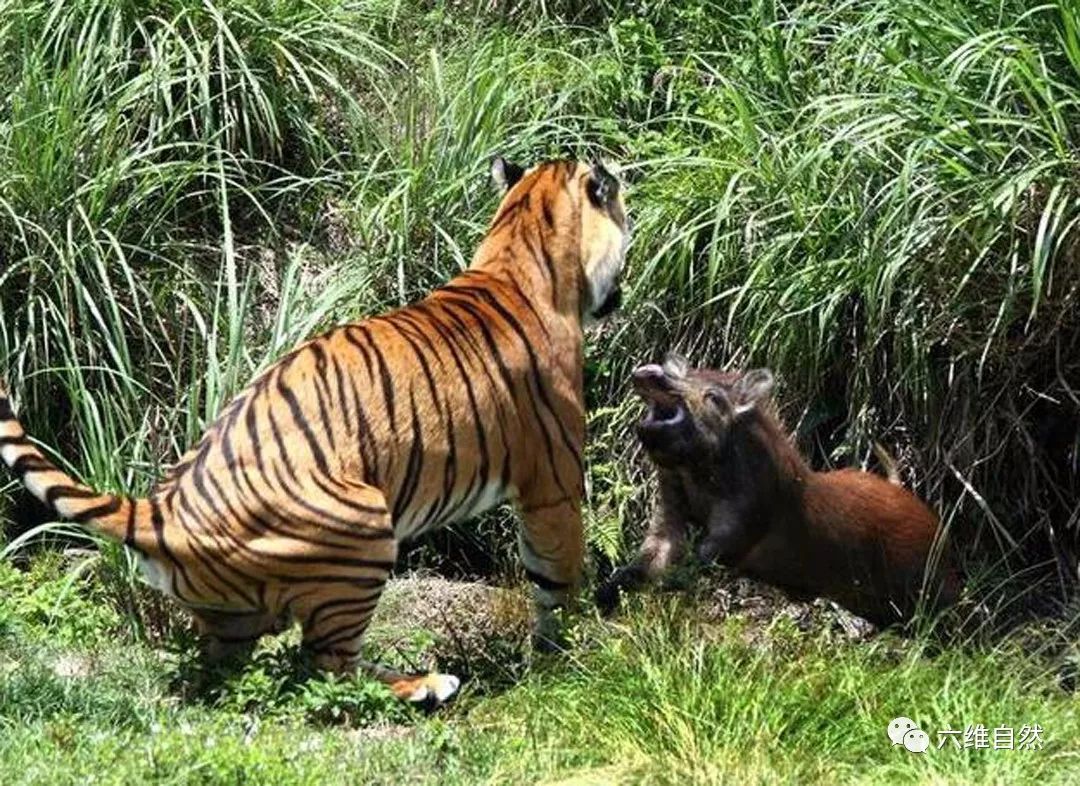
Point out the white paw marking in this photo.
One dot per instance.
(445, 686)
(441, 686)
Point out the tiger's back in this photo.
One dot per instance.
(293, 503)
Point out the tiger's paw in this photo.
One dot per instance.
(432, 689)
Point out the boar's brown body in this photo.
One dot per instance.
(853, 537)
(730, 477)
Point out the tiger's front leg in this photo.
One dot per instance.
(552, 546)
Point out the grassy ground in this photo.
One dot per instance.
(671, 692)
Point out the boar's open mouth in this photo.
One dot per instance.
(663, 413)
(665, 407)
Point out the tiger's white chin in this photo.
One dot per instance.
(605, 294)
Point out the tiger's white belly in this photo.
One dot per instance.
(154, 575)
(412, 524)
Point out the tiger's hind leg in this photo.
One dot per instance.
(334, 618)
(232, 635)
(335, 604)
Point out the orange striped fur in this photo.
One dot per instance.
(293, 503)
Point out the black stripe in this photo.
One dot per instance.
(325, 519)
(157, 520)
(301, 421)
(549, 444)
(481, 478)
(20, 440)
(508, 212)
(251, 427)
(421, 358)
(349, 631)
(449, 307)
(529, 305)
(518, 329)
(209, 561)
(419, 328)
(361, 347)
(359, 507)
(492, 345)
(447, 419)
(31, 463)
(105, 509)
(242, 545)
(367, 450)
(320, 382)
(549, 263)
(313, 615)
(68, 492)
(283, 452)
(347, 393)
(129, 536)
(358, 608)
(504, 476)
(412, 470)
(248, 516)
(217, 519)
(384, 377)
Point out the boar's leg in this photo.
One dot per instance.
(727, 534)
(663, 547)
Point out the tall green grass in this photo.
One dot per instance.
(877, 199)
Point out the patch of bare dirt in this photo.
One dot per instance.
(723, 596)
(467, 628)
(72, 665)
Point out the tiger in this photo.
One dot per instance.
(293, 504)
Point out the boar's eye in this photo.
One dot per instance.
(719, 398)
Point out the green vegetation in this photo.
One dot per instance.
(660, 697)
(876, 198)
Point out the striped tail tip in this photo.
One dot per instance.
(111, 515)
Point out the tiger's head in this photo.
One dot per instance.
(575, 225)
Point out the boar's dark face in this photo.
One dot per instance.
(690, 412)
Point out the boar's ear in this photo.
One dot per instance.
(754, 386)
(675, 365)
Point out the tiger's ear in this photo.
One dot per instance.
(505, 173)
(602, 186)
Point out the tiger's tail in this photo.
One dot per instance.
(116, 517)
